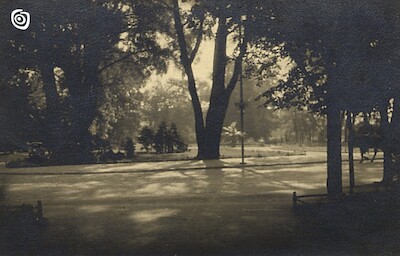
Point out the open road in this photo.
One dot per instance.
(176, 208)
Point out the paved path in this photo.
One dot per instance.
(175, 208)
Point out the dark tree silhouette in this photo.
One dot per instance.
(146, 138)
(160, 138)
(176, 143)
(129, 148)
(167, 139)
(199, 21)
(342, 56)
(71, 48)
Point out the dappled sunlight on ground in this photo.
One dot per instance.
(168, 212)
(163, 175)
(110, 193)
(199, 184)
(123, 167)
(370, 181)
(293, 185)
(152, 215)
(108, 168)
(92, 232)
(77, 186)
(94, 208)
(163, 189)
(250, 180)
(287, 192)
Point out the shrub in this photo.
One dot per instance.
(168, 140)
(146, 138)
(129, 148)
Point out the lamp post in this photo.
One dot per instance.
(241, 104)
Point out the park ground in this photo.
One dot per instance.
(193, 208)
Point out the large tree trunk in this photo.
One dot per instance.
(215, 120)
(390, 140)
(334, 131)
(219, 98)
(83, 88)
(86, 106)
(387, 154)
(186, 62)
(208, 134)
(53, 115)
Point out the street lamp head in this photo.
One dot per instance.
(243, 17)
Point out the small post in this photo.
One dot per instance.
(294, 200)
(39, 208)
(350, 147)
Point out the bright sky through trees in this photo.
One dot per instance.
(202, 66)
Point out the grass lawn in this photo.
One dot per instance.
(225, 151)
(18, 159)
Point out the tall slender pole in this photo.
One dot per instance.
(241, 96)
(350, 140)
(242, 116)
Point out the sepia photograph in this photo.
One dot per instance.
(199, 127)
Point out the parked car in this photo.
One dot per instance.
(36, 151)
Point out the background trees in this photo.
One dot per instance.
(165, 140)
(146, 138)
(169, 101)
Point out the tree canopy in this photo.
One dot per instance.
(73, 51)
(344, 57)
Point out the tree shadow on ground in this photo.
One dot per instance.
(190, 212)
(2, 188)
(220, 226)
(21, 228)
(213, 219)
(215, 176)
(366, 223)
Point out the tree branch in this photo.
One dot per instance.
(118, 60)
(198, 41)
(238, 66)
(165, 4)
(187, 66)
(233, 29)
